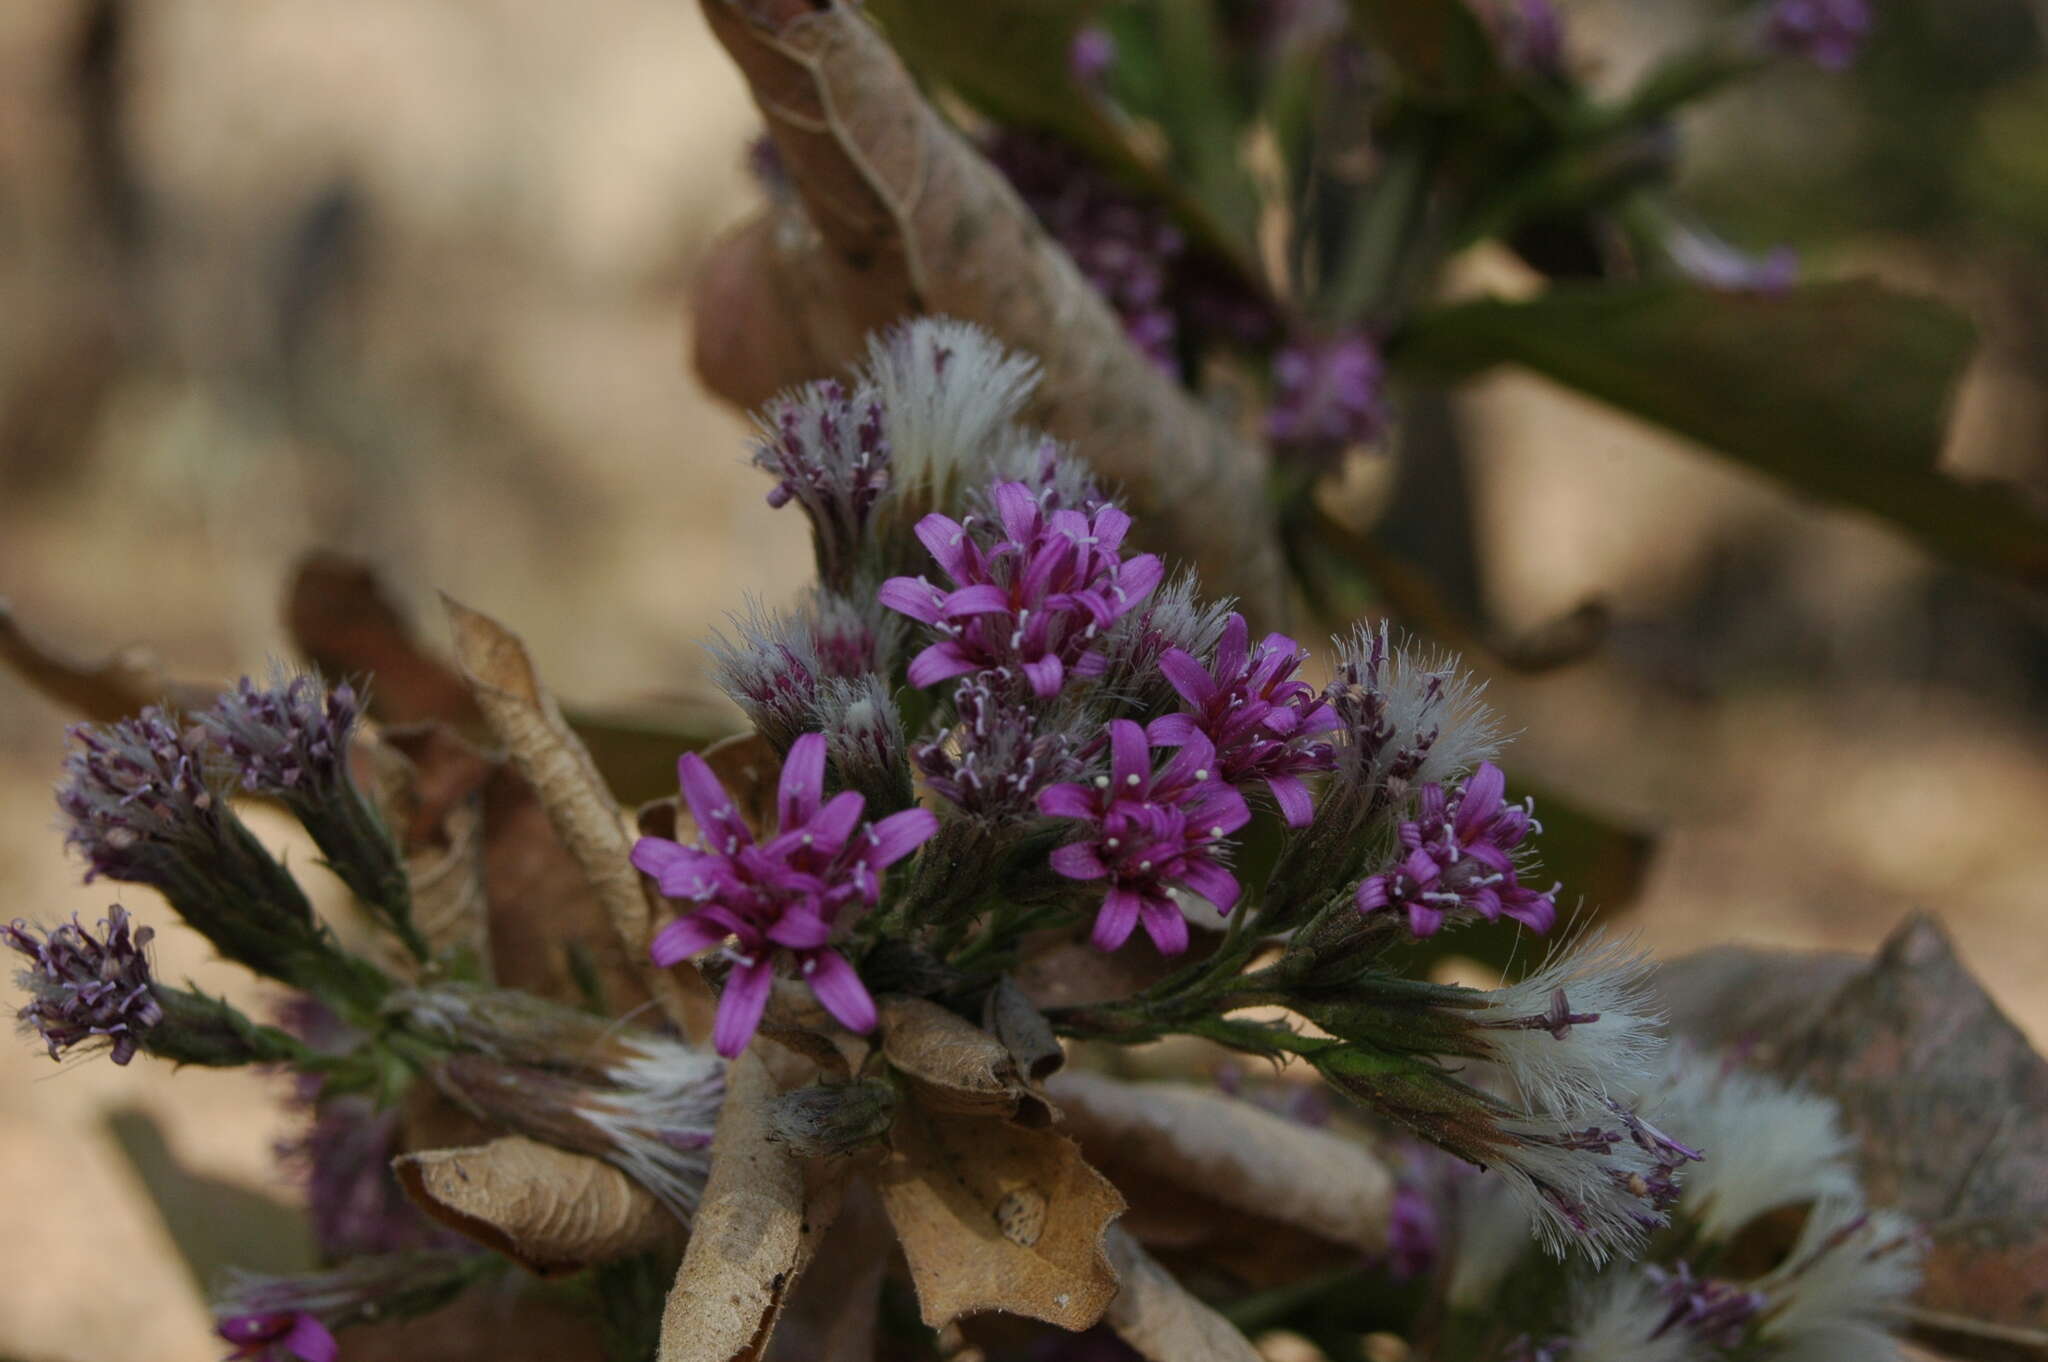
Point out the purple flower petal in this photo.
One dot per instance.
(310, 1340)
(941, 661)
(1164, 924)
(741, 1005)
(1046, 675)
(911, 596)
(1078, 861)
(1233, 650)
(1017, 509)
(710, 805)
(1293, 798)
(946, 541)
(685, 937)
(1115, 923)
(1482, 799)
(800, 931)
(1213, 883)
(802, 785)
(1066, 800)
(1189, 678)
(898, 835)
(1130, 757)
(680, 872)
(1136, 579)
(1173, 730)
(982, 599)
(841, 991)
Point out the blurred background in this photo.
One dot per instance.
(409, 279)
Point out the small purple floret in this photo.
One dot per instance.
(1261, 720)
(1147, 830)
(288, 740)
(828, 450)
(1828, 33)
(1326, 396)
(1092, 55)
(1459, 856)
(281, 1336)
(87, 988)
(1031, 604)
(782, 897)
(1717, 1312)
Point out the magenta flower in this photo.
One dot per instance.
(784, 896)
(1326, 395)
(1260, 720)
(1460, 857)
(1148, 830)
(278, 1337)
(1035, 601)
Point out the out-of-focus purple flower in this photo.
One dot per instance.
(1147, 830)
(1828, 33)
(782, 896)
(1414, 1237)
(343, 1156)
(1091, 55)
(1326, 396)
(1003, 751)
(1459, 856)
(1123, 245)
(1706, 259)
(1528, 34)
(278, 1337)
(1716, 1312)
(86, 988)
(1261, 720)
(1031, 604)
(827, 447)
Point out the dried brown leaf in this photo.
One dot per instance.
(1024, 1032)
(102, 691)
(1946, 1097)
(554, 761)
(549, 1210)
(996, 1216)
(772, 270)
(426, 779)
(955, 1067)
(1233, 1154)
(913, 221)
(342, 618)
(754, 1233)
(836, 1306)
(1156, 1315)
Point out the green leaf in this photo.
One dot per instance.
(1439, 45)
(1837, 390)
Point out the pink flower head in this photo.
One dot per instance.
(1458, 854)
(1035, 600)
(281, 1336)
(781, 897)
(1147, 830)
(1260, 719)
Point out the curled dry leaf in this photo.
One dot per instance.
(102, 691)
(996, 1216)
(1024, 1032)
(554, 761)
(955, 1067)
(1156, 1315)
(771, 269)
(1218, 1149)
(342, 618)
(1946, 1098)
(549, 1210)
(755, 1230)
(913, 220)
(424, 778)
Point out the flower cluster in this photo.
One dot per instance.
(1327, 396)
(1147, 830)
(86, 988)
(997, 758)
(1261, 721)
(828, 450)
(783, 896)
(1029, 603)
(1460, 859)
